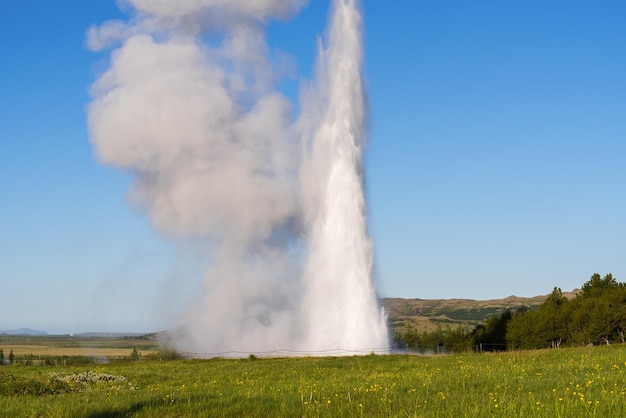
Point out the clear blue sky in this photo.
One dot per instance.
(495, 165)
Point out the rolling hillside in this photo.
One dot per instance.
(427, 314)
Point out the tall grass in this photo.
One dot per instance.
(549, 383)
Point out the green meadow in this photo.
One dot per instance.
(572, 382)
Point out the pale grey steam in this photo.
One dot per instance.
(215, 155)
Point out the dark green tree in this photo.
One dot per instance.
(597, 285)
(598, 315)
(552, 319)
(522, 330)
(410, 339)
(456, 340)
(432, 341)
(617, 304)
(492, 337)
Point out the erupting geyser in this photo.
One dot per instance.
(217, 156)
(337, 275)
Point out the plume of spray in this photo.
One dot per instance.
(337, 275)
(189, 107)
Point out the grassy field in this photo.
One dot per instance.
(40, 346)
(42, 350)
(550, 383)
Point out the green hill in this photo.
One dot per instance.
(427, 314)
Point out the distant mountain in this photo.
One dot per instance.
(427, 314)
(23, 331)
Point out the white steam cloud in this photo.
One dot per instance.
(216, 154)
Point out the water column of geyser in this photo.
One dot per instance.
(190, 109)
(340, 301)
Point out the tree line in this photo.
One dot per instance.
(596, 315)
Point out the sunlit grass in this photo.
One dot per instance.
(39, 351)
(551, 383)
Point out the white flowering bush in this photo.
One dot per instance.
(85, 378)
